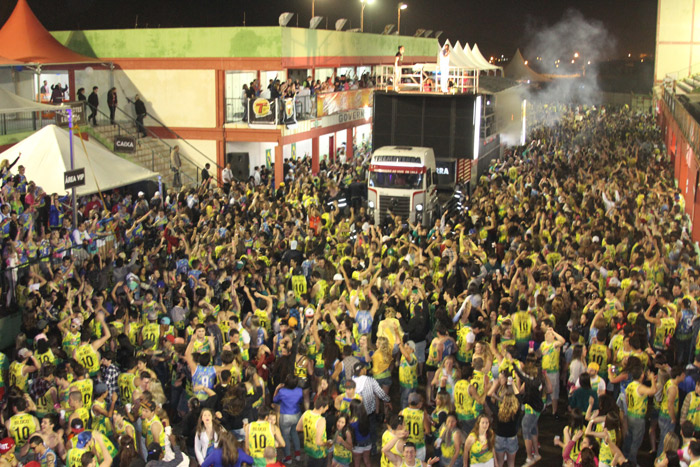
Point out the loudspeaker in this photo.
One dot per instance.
(240, 165)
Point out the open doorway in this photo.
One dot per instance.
(50, 80)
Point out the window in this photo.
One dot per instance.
(234, 93)
(409, 181)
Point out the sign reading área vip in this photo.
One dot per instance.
(125, 144)
(79, 117)
(73, 178)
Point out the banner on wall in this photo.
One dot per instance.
(262, 112)
(290, 113)
(334, 102)
(294, 151)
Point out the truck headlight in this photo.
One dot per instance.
(371, 204)
(419, 207)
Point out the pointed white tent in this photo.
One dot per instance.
(466, 58)
(46, 156)
(11, 103)
(479, 58)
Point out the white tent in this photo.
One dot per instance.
(11, 103)
(464, 56)
(46, 156)
(479, 58)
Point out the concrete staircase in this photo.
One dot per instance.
(150, 153)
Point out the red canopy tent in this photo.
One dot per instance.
(7, 62)
(24, 39)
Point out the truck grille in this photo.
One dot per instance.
(399, 205)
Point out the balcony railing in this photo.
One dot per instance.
(21, 122)
(690, 128)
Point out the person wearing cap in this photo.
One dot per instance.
(22, 424)
(151, 427)
(92, 442)
(7, 453)
(21, 369)
(166, 327)
(70, 329)
(417, 422)
(101, 413)
(44, 455)
(88, 351)
(342, 401)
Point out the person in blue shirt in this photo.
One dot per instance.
(203, 374)
(290, 398)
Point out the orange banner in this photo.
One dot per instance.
(333, 102)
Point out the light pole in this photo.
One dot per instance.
(362, 14)
(402, 6)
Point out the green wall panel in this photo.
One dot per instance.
(249, 42)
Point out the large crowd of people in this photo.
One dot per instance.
(266, 326)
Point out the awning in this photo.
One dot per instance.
(11, 103)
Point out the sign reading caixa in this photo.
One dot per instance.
(73, 178)
(124, 144)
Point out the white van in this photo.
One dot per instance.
(403, 180)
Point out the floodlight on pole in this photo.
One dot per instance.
(362, 13)
(402, 6)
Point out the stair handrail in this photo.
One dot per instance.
(173, 132)
(182, 156)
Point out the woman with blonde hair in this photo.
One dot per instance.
(381, 364)
(503, 401)
(207, 435)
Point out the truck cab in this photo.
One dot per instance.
(403, 180)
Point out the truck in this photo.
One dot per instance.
(402, 180)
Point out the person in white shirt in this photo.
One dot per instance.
(227, 178)
(256, 176)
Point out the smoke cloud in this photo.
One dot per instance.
(572, 34)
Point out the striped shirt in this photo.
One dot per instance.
(367, 387)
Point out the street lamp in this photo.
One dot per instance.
(402, 6)
(362, 14)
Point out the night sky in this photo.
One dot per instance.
(497, 26)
